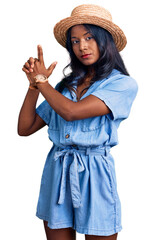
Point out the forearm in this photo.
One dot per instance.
(61, 105)
(28, 112)
(90, 106)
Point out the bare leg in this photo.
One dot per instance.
(60, 234)
(93, 237)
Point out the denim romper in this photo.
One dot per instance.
(78, 185)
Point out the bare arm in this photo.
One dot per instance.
(29, 122)
(90, 106)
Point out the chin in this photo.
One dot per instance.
(87, 63)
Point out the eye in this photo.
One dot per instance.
(74, 41)
(88, 38)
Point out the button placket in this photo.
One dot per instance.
(67, 132)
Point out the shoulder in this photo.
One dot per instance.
(120, 81)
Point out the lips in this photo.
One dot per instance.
(85, 55)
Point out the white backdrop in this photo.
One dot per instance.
(24, 24)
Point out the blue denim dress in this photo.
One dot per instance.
(78, 185)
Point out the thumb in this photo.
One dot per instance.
(51, 68)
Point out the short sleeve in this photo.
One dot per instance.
(118, 95)
(44, 111)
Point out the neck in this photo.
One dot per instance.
(90, 74)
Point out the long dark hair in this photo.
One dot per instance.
(108, 60)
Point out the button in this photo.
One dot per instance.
(74, 145)
(67, 136)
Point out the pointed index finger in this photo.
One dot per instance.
(40, 53)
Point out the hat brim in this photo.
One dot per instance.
(61, 28)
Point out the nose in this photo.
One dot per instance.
(83, 45)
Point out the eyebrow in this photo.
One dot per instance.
(83, 35)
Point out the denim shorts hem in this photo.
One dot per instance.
(57, 225)
(90, 231)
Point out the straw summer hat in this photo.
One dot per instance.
(90, 14)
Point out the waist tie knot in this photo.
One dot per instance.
(75, 167)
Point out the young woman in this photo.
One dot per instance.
(78, 188)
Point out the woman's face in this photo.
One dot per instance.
(84, 45)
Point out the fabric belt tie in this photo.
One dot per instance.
(75, 168)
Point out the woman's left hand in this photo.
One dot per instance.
(36, 66)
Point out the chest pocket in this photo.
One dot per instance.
(92, 124)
